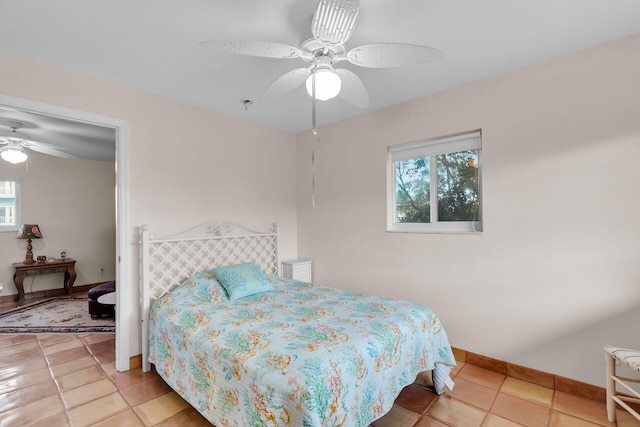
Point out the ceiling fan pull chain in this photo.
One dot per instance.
(313, 178)
(314, 130)
(313, 169)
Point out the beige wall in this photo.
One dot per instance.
(556, 274)
(187, 165)
(552, 279)
(73, 202)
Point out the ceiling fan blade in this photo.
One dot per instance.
(352, 90)
(286, 83)
(387, 55)
(334, 21)
(48, 149)
(253, 48)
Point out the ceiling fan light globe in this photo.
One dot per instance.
(13, 153)
(328, 84)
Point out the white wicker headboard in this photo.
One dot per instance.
(168, 261)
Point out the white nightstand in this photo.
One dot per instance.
(297, 269)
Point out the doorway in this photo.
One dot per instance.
(122, 211)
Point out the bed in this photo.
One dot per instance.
(247, 347)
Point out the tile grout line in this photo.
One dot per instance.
(489, 411)
(67, 409)
(2, 392)
(553, 401)
(115, 384)
(119, 388)
(55, 381)
(423, 414)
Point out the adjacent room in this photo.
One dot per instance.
(477, 159)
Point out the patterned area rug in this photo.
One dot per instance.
(56, 315)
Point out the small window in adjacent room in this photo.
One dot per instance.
(9, 204)
(435, 186)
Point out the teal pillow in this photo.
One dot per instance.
(242, 280)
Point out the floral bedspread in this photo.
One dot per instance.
(301, 355)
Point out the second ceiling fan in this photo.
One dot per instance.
(332, 25)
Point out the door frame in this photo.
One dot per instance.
(123, 317)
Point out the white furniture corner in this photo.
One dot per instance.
(630, 359)
(297, 269)
(108, 299)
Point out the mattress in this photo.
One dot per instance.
(299, 355)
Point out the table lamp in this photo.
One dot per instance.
(29, 231)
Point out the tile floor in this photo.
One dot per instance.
(70, 380)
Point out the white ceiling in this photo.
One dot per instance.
(83, 140)
(154, 45)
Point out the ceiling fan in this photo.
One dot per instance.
(331, 27)
(13, 144)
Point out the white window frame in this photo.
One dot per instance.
(432, 148)
(16, 226)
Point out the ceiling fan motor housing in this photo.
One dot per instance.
(311, 50)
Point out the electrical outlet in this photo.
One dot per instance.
(101, 271)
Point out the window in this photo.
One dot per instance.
(9, 204)
(435, 186)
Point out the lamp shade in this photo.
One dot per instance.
(29, 231)
(13, 153)
(328, 84)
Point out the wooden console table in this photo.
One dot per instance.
(66, 266)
